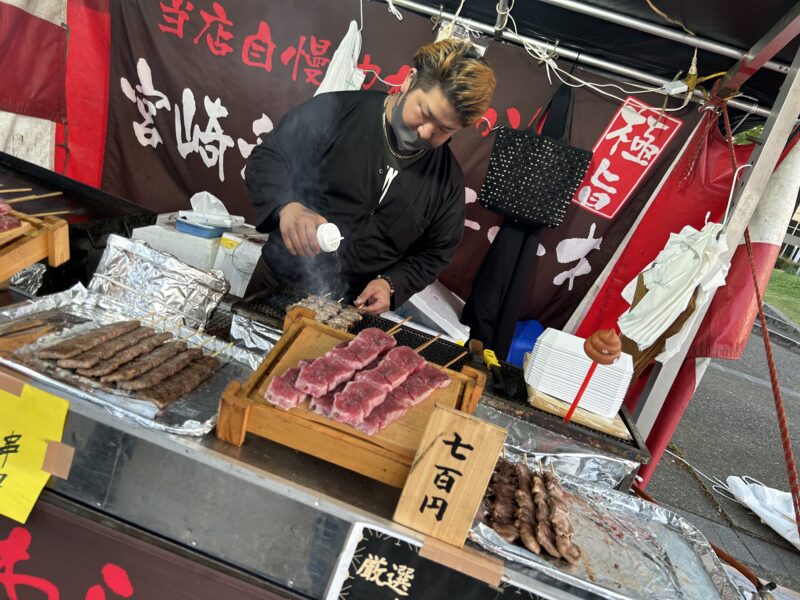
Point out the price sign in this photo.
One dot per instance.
(31, 424)
(449, 476)
(378, 564)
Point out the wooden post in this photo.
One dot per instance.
(233, 415)
(449, 476)
(57, 241)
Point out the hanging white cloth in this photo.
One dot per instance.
(343, 73)
(687, 263)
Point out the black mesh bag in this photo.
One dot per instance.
(532, 178)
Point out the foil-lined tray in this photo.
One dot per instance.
(253, 335)
(631, 549)
(565, 454)
(133, 274)
(77, 310)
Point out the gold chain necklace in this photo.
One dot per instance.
(389, 144)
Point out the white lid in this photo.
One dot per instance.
(329, 236)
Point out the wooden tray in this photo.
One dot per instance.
(35, 239)
(615, 427)
(385, 456)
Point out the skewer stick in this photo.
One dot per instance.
(397, 327)
(221, 350)
(211, 338)
(16, 190)
(339, 301)
(328, 294)
(54, 213)
(422, 347)
(455, 360)
(33, 197)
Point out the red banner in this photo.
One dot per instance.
(33, 65)
(625, 152)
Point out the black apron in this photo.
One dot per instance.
(501, 283)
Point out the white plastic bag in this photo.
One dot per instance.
(773, 506)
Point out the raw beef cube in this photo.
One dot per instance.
(371, 425)
(361, 351)
(378, 339)
(401, 396)
(313, 379)
(4, 208)
(405, 357)
(435, 378)
(282, 391)
(322, 405)
(389, 411)
(347, 409)
(417, 389)
(340, 371)
(374, 377)
(350, 358)
(323, 375)
(361, 394)
(9, 222)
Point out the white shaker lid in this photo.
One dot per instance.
(329, 236)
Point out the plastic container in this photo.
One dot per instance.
(203, 231)
(525, 336)
(329, 237)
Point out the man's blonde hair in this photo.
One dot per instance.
(465, 79)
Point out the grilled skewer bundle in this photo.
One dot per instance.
(157, 366)
(528, 507)
(330, 312)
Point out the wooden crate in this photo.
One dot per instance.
(386, 456)
(36, 239)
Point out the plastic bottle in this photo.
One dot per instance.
(329, 237)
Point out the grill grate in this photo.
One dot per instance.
(219, 324)
(270, 309)
(439, 352)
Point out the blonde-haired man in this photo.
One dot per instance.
(379, 168)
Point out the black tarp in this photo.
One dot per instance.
(737, 23)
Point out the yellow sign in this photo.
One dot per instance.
(27, 422)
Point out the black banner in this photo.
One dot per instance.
(385, 567)
(194, 84)
(58, 554)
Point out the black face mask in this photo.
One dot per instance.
(407, 138)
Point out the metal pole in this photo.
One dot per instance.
(764, 158)
(502, 19)
(579, 57)
(775, 40)
(660, 31)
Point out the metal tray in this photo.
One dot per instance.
(77, 310)
(632, 549)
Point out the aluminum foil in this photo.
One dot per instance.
(565, 454)
(254, 336)
(77, 310)
(133, 274)
(631, 549)
(29, 279)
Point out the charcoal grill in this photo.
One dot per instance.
(269, 308)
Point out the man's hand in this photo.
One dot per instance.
(298, 227)
(375, 298)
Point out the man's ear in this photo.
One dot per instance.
(409, 81)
